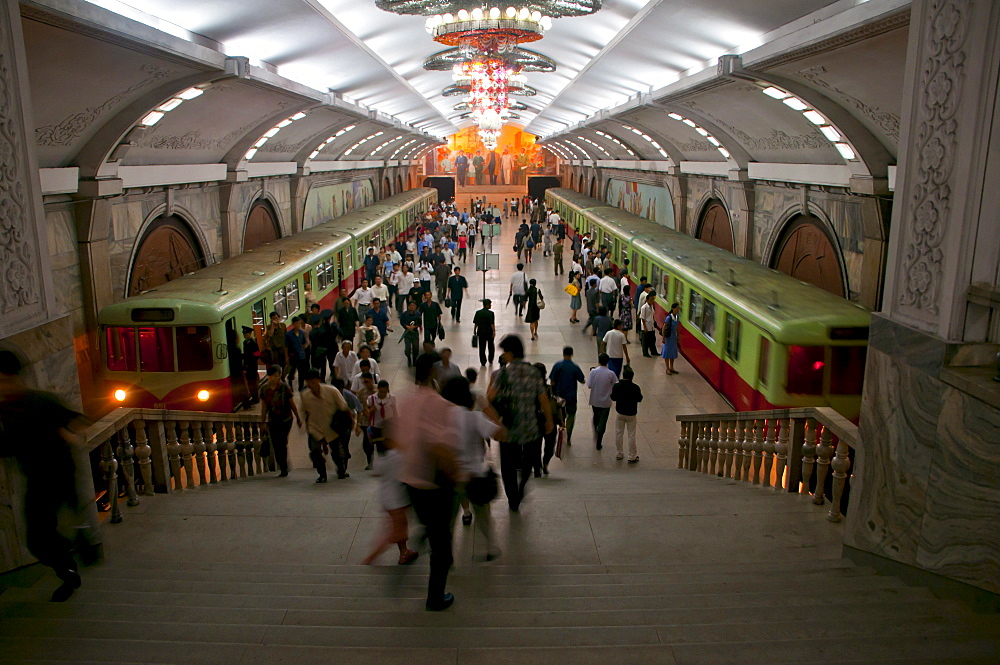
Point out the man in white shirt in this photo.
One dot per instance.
(448, 255)
(518, 289)
(553, 218)
(319, 403)
(609, 291)
(576, 267)
(614, 346)
(600, 381)
(364, 353)
(343, 363)
(363, 299)
(380, 291)
(647, 324)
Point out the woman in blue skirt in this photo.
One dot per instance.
(670, 331)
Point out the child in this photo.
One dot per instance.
(392, 495)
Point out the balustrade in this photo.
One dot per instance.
(757, 448)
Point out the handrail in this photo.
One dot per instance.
(760, 446)
(174, 450)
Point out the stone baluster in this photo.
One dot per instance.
(249, 446)
(258, 443)
(198, 437)
(173, 453)
(713, 447)
(109, 465)
(187, 452)
(824, 451)
(748, 448)
(737, 450)
(809, 453)
(781, 452)
(728, 439)
(769, 443)
(220, 444)
(682, 445)
(231, 450)
(841, 465)
(700, 453)
(211, 451)
(125, 454)
(757, 452)
(241, 451)
(144, 452)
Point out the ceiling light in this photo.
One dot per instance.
(724, 152)
(151, 118)
(689, 123)
(701, 131)
(271, 132)
(494, 13)
(777, 93)
(846, 151)
(477, 14)
(284, 123)
(830, 133)
(795, 103)
(191, 93)
(170, 105)
(261, 142)
(314, 154)
(714, 141)
(814, 117)
(298, 116)
(250, 153)
(675, 116)
(463, 14)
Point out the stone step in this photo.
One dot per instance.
(878, 589)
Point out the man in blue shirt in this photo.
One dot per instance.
(298, 361)
(380, 319)
(565, 376)
(371, 265)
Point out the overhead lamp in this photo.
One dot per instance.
(477, 14)
(463, 14)
(714, 141)
(284, 123)
(170, 105)
(830, 133)
(814, 117)
(795, 103)
(250, 153)
(261, 142)
(510, 12)
(689, 122)
(151, 118)
(846, 151)
(701, 131)
(524, 14)
(314, 154)
(191, 93)
(675, 116)
(536, 16)
(271, 132)
(776, 93)
(494, 13)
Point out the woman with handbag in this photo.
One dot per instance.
(535, 304)
(669, 332)
(475, 430)
(574, 288)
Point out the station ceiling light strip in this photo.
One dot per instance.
(401, 147)
(585, 153)
(702, 132)
(596, 145)
(157, 114)
(269, 134)
(551, 146)
(362, 142)
(568, 149)
(322, 146)
(384, 144)
(615, 141)
(827, 128)
(649, 139)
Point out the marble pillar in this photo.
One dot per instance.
(926, 490)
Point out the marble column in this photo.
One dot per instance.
(926, 487)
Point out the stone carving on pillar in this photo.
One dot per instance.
(941, 79)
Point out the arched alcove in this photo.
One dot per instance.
(715, 227)
(399, 184)
(386, 188)
(579, 185)
(262, 225)
(593, 188)
(167, 250)
(806, 252)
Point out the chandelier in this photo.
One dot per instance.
(487, 62)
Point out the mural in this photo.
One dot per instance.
(649, 201)
(326, 202)
(516, 158)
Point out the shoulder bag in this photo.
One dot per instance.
(541, 301)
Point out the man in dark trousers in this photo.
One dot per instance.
(457, 288)
(372, 264)
(626, 395)
(251, 361)
(565, 376)
(491, 166)
(462, 167)
(484, 324)
(431, 312)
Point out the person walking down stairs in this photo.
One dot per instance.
(626, 395)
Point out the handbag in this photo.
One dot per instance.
(441, 332)
(475, 340)
(481, 490)
(541, 302)
(560, 439)
(447, 302)
(571, 290)
(341, 421)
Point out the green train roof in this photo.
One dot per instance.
(804, 313)
(197, 296)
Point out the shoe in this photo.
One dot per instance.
(599, 446)
(283, 474)
(646, 355)
(341, 476)
(444, 603)
(408, 557)
(369, 467)
(634, 460)
(492, 556)
(545, 469)
(71, 582)
(467, 519)
(619, 456)
(321, 479)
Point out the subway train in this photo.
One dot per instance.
(762, 339)
(166, 348)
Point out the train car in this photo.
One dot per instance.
(168, 347)
(762, 339)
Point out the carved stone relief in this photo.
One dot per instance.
(941, 79)
(776, 140)
(70, 128)
(886, 121)
(193, 140)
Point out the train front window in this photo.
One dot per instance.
(806, 367)
(121, 349)
(156, 349)
(847, 376)
(194, 349)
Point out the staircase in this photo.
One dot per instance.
(610, 566)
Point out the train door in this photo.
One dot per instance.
(233, 355)
(729, 380)
(307, 290)
(763, 374)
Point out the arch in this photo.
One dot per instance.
(167, 249)
(806, 251)
(261, 225)
(399, 184)
(409, 180)
(579, 186)
(593, 188)
(386, 188)
(715, 227)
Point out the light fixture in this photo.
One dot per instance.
(795, 103)
(203, 395)
(170, 105)
(776, 93)
(270, 133)
(724, 152)
(830, 133)
(814, 117)
(191, 93)
(846, 151)
(689, 122)
(120, 395)
(151, 118)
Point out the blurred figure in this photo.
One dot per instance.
(395, 501)
(39, 432)
(251, 360)
(276, 415)
(426, 435)
(320, 405)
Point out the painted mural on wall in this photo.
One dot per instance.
(515, 158)
(326, 202)
(647, 201)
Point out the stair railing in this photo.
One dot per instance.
(173, 451)
(804, 450)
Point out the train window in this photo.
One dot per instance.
(257, 313)
(292, 297)
(694, 309)
(279, 303)
(340, 266)
(733, 326)
(194, 349)
(765, 359)
(847, 370)
(806, 366)
(121, 349)
(156, 349)
(325, 275)
(656, 276)
(708, 319)
(678, 293)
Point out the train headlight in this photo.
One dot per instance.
(203, 395)
(120, 395)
